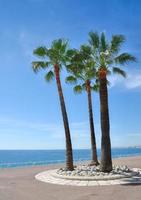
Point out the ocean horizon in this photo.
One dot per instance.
(21, 158)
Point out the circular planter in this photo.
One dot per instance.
(52, 177)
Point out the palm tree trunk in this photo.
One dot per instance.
(92, 130)
(106, 161)
(69, 154)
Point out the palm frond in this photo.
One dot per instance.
(57, 44)
(64, 46)
(58, 51)
(85, 49)
(125, 58)
(84, 86)
(49, 76)
(103, 43)
(116, 42)
(71, 52)
(119, 71)
(108, 83)
(53, 55)
(78, 57)
(41, 52)
(95, 87)
(90, 73)
(71, 79)
(73, 68)
(37, 65)
(78, 89)
(94, 39)
(97, 79)
(60, 45)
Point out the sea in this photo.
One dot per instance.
(21, 158)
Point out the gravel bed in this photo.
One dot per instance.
(86, 171)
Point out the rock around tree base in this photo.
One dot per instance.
(84, 175)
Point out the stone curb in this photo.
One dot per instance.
(51, 177)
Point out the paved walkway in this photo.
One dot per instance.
(49, 177)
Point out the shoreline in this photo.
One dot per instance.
(62, 164)
(27, 158)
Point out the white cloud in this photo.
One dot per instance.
(115, 80)
(134, 134)
(26, 41)
(52, 133)
(56, 130)
(132, 81)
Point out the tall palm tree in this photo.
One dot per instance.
(107, 58)
(53, 59)
(82, 72)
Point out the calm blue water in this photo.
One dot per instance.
(20, 158)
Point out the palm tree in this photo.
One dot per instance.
(82, 72)
(53, 59)
(107, 58)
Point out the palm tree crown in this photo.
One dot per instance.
(106, 54)
(82, 69)
(55, 55)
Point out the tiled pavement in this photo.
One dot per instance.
(49, 177)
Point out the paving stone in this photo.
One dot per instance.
(93, 183)
(49, 177)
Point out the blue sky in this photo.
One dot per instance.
(30, 116)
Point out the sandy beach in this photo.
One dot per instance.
(20, 184)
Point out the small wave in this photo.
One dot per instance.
(76, 159)
(29, 163)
